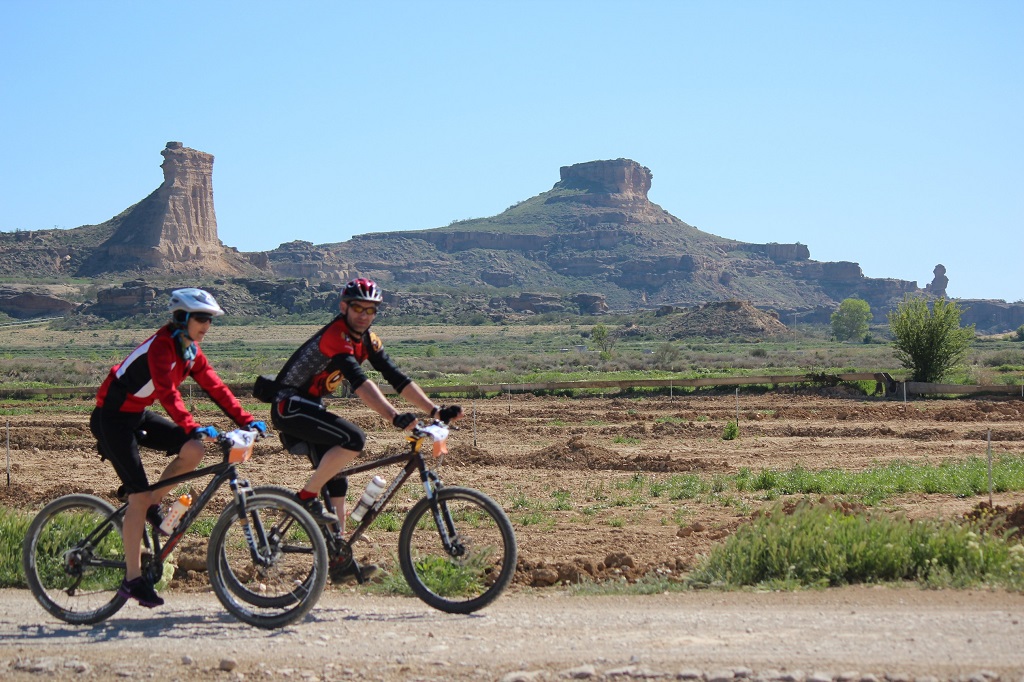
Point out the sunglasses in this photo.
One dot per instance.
(202, 319)
(363, 309)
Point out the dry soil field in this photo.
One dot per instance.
(563, 467)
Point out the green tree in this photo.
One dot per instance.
(929, 341)
(850, 321)
(600, 336)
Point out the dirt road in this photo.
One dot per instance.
(838, 634)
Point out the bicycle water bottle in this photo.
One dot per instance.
(175, 513)
(373, 490)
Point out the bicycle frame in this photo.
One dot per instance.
(223, 472)
(414, 461)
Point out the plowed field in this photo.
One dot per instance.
(575, 474)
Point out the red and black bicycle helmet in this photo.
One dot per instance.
(362, 289)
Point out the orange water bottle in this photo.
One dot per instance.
(175, 513)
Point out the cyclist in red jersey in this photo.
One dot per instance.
(332, 355)
(121, 421)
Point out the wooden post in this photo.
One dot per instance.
(990, 468)
(737, 410)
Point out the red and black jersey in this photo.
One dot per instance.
(331, 355)
(154, 370)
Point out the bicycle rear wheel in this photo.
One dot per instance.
(474, 566)
(73, 559)
(287, 577)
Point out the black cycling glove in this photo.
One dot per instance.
(403, 419)
(446, 414)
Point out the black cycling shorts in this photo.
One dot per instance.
(119, 435)
(298, 419)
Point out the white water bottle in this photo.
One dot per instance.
(373, 490)
(175, 513)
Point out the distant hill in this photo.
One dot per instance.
(593, 243)
(594, 232)
(735, 320)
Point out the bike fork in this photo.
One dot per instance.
(255, 533)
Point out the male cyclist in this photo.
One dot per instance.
(314, 371)
(121, 422)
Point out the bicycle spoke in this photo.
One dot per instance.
(465, 563)
(74, 561)
(286, 576)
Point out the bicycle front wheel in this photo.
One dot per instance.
(459, 554)
(280, 580)
(73, 558)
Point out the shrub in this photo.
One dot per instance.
(600, 336)
(732, 430)
(824, 545)
(929, 341)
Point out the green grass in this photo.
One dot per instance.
(447, 578)
(13, 526)
(387, 521)
(964, 478)
(820, 546)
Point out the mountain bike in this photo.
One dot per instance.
(74, 562)
(456, 548)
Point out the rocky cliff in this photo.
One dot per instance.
(592, 243)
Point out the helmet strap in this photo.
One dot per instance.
(187, 345)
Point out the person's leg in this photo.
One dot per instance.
(132, 530)
(117, 440)
(187, 459)
(307, 421)
(333, 461)
(163, 434)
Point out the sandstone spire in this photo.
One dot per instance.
(174, 226)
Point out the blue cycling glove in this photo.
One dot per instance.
(205, 432)
(258, 426)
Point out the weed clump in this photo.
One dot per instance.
(826, 545)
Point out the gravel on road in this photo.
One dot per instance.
(855, 634)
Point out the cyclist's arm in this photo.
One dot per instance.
(403, 385)
(382, 362)
(364, 389)
(375, 400)
(218, 391)
(415, 395)
(166, 373)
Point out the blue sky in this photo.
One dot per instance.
(887, 133)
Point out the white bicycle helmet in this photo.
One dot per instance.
(194, 301)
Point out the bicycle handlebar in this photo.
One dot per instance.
(237, 445)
